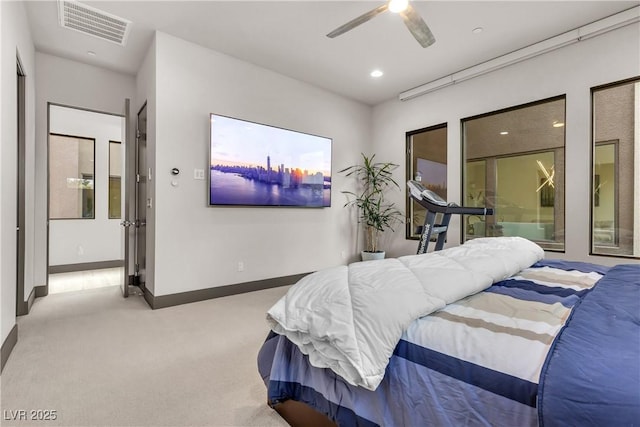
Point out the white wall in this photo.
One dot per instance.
(70, 83)
(198, 246)
(572, 70)
(77, 241)
(15, 37)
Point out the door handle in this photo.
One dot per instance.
(126, 223)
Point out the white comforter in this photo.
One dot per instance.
(350, 318)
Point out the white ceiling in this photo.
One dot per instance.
(289, 36)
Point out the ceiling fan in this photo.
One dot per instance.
(411, 19)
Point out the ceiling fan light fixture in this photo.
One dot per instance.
(397, 6)
(412, 20)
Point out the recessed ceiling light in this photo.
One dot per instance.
(477, 30)
(557, 124)
(504, 132)
(91, 53)
(376, 73)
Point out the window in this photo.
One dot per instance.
(615, 220)
(427, 163)
(71, 177)
(115, 177)
(514, 163)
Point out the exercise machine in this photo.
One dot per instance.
(435, 204)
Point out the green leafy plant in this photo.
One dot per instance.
(377, 215)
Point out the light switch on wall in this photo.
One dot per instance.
(198, 174)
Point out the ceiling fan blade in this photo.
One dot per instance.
(358, 21)
(418, 27)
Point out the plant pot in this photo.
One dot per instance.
(368, 256)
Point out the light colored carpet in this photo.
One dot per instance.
(81, 280)
(98, 359)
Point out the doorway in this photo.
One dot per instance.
(22, 306)
(86, 174)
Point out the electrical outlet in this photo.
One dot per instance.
(198, 174)
(240, 266)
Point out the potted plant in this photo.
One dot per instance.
(375, 213)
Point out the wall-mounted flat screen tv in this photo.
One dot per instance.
(259, 165)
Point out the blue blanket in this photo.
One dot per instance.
(495, 358)
(592, 374)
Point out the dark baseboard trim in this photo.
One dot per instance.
(25, 307)
(31, 299)
(41, 291)
(67, 268)
(7, 346)
(148, 296)
(220, 291)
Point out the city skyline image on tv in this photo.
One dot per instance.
(253, 164)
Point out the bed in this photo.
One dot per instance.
(549, 343)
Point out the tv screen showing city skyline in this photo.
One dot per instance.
(253, 164)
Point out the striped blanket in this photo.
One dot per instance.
(350, 318)
(475, 362)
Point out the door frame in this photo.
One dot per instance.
(22, 306)
(126, 215)
(124, 183)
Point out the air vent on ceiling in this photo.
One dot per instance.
(91, 21)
